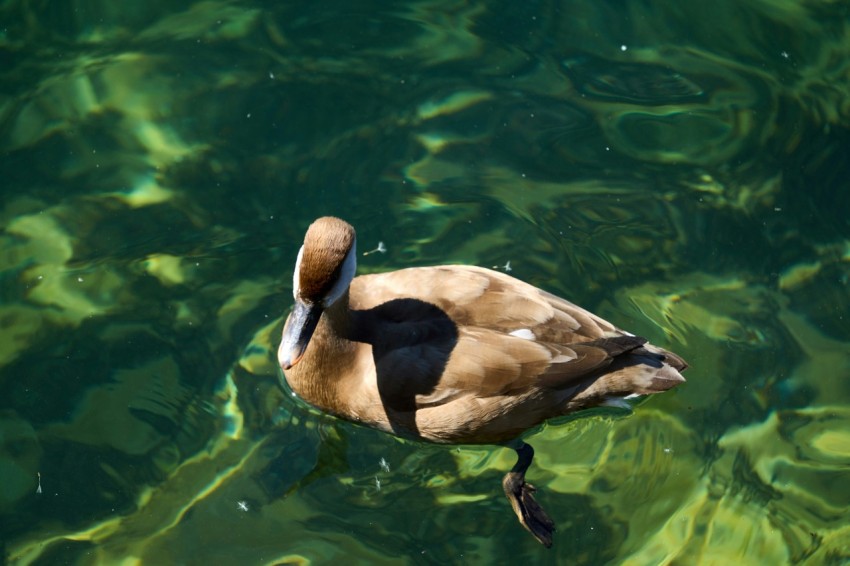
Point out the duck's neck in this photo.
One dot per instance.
(337, 328)
(328, 360)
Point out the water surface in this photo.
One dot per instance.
(678, 168)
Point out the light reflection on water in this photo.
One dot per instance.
(677, 168)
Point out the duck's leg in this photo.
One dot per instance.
(519, 493)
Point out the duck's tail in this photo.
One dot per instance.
(641, 370)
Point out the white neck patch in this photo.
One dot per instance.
(296, 285)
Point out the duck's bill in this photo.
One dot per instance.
(297, 332)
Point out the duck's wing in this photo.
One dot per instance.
(458, 331)
(482, 298)
(488, 363)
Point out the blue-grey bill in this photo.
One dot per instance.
(297, 332)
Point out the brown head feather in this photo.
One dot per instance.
(327, 242)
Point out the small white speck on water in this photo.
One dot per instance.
(384, 464)
(377, 483)
(623, 47)
(380, 249)
(80, 279)
(242, 505)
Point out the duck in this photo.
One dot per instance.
(454, 354)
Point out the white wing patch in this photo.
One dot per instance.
(523, 333)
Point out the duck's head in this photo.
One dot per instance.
(323, 271)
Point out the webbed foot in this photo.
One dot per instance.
(530, 514)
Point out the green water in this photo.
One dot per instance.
(679, 168)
